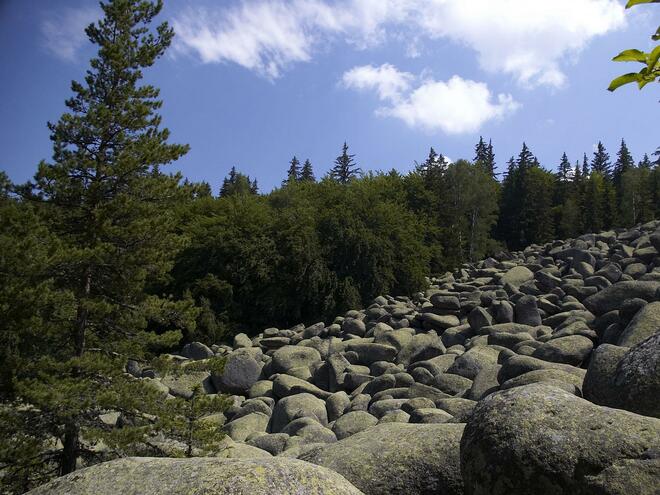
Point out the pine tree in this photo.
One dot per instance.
(490, 158)
(564, 170)
(526, 158)
(484, 155)
(345, 169)
(307, 173)
(645, 162)
(236, 184)
(228, 183)
(293, 174)
(109, 205)
(624, 162)
(601, 161)
(585, 167)
(480, 150)
(427, 164)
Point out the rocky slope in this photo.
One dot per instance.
(535, 372)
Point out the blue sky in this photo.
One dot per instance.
(251, 83)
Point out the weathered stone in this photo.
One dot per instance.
(473, 361)
(540, 439)
(645, 323)
(517, 276)
(478, 318)
(613, 297)
(240, 373)
(298, 406)
(292, 356)
(246, 425)
(199, 475)
(397, 459)
(197, 351)
(242, 341)
(369, 352)
(572, 350)
(353, 326)
(352, 423)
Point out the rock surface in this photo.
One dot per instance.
(197, 476)
(397, 459)
(540, 439)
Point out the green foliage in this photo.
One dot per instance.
(106, 232)
(237, 184)
(191, 424)
(527, 202)
(651, 60)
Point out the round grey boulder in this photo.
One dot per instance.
(298, 406)
(540, 439)
(292, 356)
(240, 373)
(572, 350)
(352, 423)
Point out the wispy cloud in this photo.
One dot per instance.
(527, 39)
(456, 106)
(63, 31)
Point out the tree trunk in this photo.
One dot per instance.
(70, 451)
(72, 428)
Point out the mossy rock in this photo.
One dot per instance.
(397, 458)
(200, 476)
(543, 440)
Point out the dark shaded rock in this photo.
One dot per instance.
(645, 323)
(613, 297)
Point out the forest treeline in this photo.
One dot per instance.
(107, 258)
(312, 249)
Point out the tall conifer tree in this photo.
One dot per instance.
(307, 173)
(345, 169)
(624, 162)
(601, 161)
(110, 206)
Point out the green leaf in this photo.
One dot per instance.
(624, 79)
(653, 57)
(632, 3)
(631, 55)
(643, 82)
(656, 36)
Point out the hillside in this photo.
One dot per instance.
(533, 372)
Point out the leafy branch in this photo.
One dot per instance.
(651, 61)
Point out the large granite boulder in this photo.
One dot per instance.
(197, 476)
(543, 440)
(397, 459)
(626, 378)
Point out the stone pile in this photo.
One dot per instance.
(529, 372)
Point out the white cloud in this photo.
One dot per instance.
(527, 39)
(63, 31)
(387, 80)
(456, 106)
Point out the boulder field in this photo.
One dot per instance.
(533, 372)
